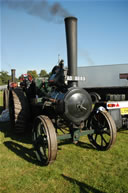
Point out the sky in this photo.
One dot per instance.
(32, 33)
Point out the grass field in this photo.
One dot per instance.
(78, 168)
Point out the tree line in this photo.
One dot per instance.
(4, 76)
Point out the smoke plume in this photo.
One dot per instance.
(86, 56)
(39, 8)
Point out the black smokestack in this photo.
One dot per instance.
(42, 9)
(71, 37)
(13, 74)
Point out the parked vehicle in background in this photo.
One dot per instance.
(108, 86)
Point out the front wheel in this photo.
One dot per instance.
(44, 140)
(104, 127)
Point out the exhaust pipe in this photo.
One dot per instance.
(13, 74)
(71, 39)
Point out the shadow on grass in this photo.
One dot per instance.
(26, 137)
(84, 188)
(80, 144)
(123, 130)
(23, 152)
(85, 145)
(1, 109)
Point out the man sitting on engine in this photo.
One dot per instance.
(57, 76)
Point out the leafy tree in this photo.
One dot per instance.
(0, 81)
(4, 77)
(43, 73)
(50, 73)
(33, 73)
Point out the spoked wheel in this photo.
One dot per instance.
(6, 98)
(105, 130)
(44, 140)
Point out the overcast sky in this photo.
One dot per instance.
(33, 33)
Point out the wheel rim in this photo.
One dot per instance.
(105, 130)
(44, 140)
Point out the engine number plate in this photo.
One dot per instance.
(124, 111)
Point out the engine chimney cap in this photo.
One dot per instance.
(70, 17)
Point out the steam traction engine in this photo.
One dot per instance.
(60, 109)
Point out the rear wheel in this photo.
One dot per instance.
(18, 110)
(104, 127)
(44, 140)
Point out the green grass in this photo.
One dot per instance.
(78, 168)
